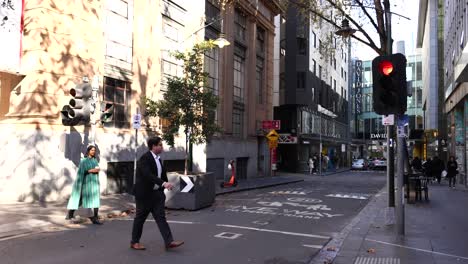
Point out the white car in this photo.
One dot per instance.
(359, 164)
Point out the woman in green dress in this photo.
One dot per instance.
(85, 192)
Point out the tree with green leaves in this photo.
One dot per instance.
(188, 104)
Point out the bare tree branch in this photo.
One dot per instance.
(371, 41)
(359, 2)
(381, 24)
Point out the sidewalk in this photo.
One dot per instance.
(436, 232)
(21, 219)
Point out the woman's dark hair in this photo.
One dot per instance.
(89, 148)
(152, 141)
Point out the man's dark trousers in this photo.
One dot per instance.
(156, 208)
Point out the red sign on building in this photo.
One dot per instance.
(271, 124)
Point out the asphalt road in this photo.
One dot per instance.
(286, 224)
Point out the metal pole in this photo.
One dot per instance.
(135, 152)
(400, 205)
(390, 149)
(320, 146)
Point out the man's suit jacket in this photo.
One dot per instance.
(147, 177)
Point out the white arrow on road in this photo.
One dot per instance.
(189, 183)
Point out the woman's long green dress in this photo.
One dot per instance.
(86, 186)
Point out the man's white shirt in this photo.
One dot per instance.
(158, 165)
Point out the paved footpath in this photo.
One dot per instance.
(436, 232)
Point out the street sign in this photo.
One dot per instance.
(388, 120)
(271, 124)
(186, 184)
(272, 135)
(273, 144)
(136, 121)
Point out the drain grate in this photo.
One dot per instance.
(371, 260)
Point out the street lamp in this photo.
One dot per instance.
(221, 42)
(346, 32)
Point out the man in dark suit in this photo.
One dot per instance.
(151, 180)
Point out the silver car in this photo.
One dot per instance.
(359, 164)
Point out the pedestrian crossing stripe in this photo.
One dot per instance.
(347, 196)
(288, 192)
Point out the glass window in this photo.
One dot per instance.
(240, 25)
(239, 78)
(260, 41)
(314, 67)
(301, 80)
(314, 39)
(259, 80)
(301, 46)
(367, 78)
(118, 93)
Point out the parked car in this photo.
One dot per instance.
(379, 164)
(359, 164)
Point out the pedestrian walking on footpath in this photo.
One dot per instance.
(151, 180)
(437, 168)
(452, 171)
(311, 165)
(86, 191)
(416, 164)
(427, 168)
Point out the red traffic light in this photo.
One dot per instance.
(386, 67)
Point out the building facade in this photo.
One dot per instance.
(122, 47)
(431, 41)
(313, 94)
(455, 82)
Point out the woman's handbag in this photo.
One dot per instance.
(444, 174)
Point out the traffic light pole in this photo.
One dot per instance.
(399, 201)
(390, 144)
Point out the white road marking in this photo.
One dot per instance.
(237, 199)
(314, 246)
(275, 231)
(227, 235)
(182, 222)
(288, 192)
(418, 249)
(347, 196)
(261, 222)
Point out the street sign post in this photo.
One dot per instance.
(388, 120)
(136, 121)
(272, 137)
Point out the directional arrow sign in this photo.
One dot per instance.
(186, 184)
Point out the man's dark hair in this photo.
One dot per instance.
(152, 141)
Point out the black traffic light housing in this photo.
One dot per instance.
(107, 112)
(389, 84)
(79, 109)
